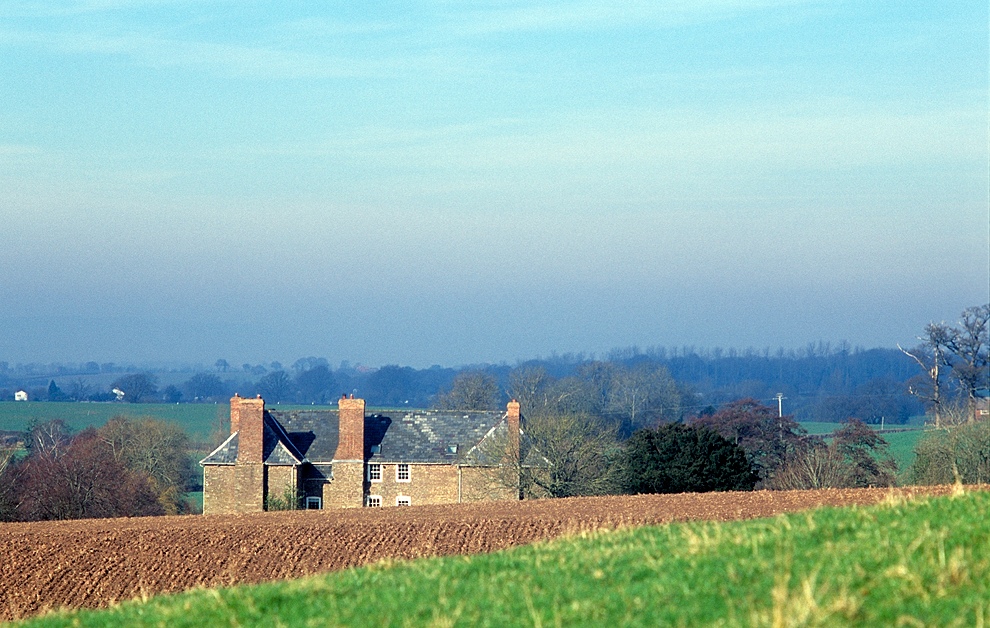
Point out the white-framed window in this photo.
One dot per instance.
(373, 501)
(314, 503)
(374, 472)
(402, 473)
(403, 500)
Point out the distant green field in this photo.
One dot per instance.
(902, 449)
(923, 562)
(817, 427)
(197, 420)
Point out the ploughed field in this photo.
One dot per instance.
(95, 562)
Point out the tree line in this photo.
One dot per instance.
(821, 382)
(622, 425)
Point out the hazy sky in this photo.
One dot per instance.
(445, 183)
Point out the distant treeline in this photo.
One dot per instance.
(820, 382)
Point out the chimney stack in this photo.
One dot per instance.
(247, 417)
(350, 445)
(235, 413)
(513, 420)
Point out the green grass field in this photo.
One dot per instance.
(924, 562)
(199, 421)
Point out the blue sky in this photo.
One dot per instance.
(448, 183)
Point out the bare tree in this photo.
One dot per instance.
(964, 351)
(471, 390)
(48, 439)
(817, 466)
(83, 481)
(577, 448)
(153, 448)
(932, 355)
(276, 386)
(203, 386)
(541, 395)
(79, 389)
(962, 451)
(854, 457)
(137, 386)
(8, 485)
(643, 396)
(530, 386)
(970, 344)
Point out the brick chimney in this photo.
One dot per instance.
(235, 413)
(513, 420)
(247, 417)
(350, 445)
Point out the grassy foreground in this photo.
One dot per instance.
(907, 563)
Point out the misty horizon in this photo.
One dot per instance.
(180, 182)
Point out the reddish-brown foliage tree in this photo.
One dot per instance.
(765, 437)
(80, 480)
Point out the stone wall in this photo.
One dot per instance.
(249, 484)
(428, 484)
(488, 484)
(218, 489)
(281, 487)
(440, 484)
(346, 489)
(233, 488)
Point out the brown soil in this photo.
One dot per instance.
(93, 563)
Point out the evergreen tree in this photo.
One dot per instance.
(677, 458)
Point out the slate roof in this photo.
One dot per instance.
(279, 449)
(426, 436)
(226, 453)
(315, 433)
(311, 436)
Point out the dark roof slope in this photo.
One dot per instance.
(315, 433)
(279, 449)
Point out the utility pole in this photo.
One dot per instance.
(780, 417)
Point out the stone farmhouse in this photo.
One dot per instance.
(344, 458)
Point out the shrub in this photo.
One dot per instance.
(855, 457)
(963, 449)
(677, 458)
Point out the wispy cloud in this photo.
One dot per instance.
(19, 150)
(72, 8)
(326, 46)
(581, 16)
(239, 60)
